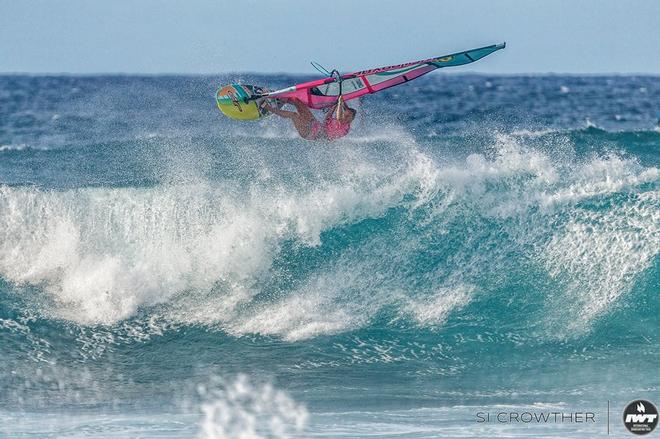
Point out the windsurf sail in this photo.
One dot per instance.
(325, 92)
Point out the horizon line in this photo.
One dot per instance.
(454, 73)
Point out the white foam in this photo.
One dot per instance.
(16, 147)
(533, 133)
(350, 293)
(598, 254)
(434, 309)
(243, 410)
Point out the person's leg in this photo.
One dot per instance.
(303, 109)
(280, 112)
(302, 121)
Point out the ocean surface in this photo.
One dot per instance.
(477, 244)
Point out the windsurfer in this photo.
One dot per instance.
(336, 123)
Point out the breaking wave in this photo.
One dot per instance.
(391, 233)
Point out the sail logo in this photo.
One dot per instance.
(640, 417)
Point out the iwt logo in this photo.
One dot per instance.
(640, 417)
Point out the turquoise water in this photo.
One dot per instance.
(477, 244)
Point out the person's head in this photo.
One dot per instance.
(348, 115)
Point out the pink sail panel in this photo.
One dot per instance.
(325, 92)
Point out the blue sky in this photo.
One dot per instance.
(216, 36)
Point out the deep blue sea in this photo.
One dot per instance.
(477, 244)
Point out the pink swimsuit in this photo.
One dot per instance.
(335, 129)
(331, 130)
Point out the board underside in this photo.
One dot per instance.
(234, 101)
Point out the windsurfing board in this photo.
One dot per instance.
(239, 101)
